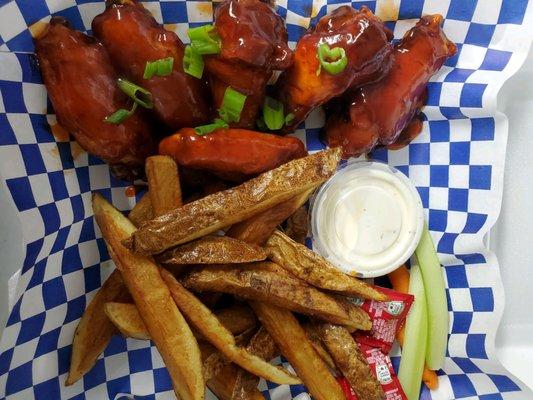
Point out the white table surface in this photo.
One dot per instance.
(511, 238)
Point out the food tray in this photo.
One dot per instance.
(456, 163)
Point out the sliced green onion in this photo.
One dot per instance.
(193, 63)
(140, 95)
(120, 115)
(205, 129)
(205, 39)
(415, 339)
(437, 305)
(289, 118)
(333, 60)
(232, 105)
(273, 114)
(161, 67)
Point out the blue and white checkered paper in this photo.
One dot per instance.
(456, 163)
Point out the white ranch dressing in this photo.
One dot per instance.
(367, 219)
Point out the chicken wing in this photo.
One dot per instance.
(380, 111)
(133, 37)
(365, 40)
(254, 43)
(82, 86)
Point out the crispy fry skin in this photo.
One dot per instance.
(142, 211)
(379, 111)
(223, 383)
(209, 326)
(228, 207)
(259, 228)
(94, 329)
(212, 250)
(81, 84)
(163, 183)
(295, 346)
(316, 341)
(366, 42)
(314, 269)
(262, 345)
(263, 282)
(128, 321)
(298, 225)
(254, 43)
(133, 37)
(166, 325)
(233, 154)
(350, 361)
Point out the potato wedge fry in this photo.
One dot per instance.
(314, 269)
(316, 341)
(294, 345)
(208, 325)
(163, 184)
(259, 228)
(263, 282)
(298, 225)
(128, 321)
(142, 211)
(350, 361)
(212, 250)
(167, 327)
(94, 329)
(230, 206)
(261, 345)
(223, 383)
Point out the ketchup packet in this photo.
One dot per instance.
(381, 366)
(387, 319)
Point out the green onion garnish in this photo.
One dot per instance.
(333, 60)
(205, 39)
(289, 118)
(161, 67)
(120, 115)
(273, 114)
(205, 129)
(140, 95)
(232, 105)
(193, 63)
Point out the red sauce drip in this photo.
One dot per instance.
(409, 133)
(130, 191)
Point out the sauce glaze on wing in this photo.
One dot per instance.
(380, 111)
(366, 42)
(81, 84)
(132, 37)
(254, 43)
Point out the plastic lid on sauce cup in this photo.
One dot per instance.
(367, 219)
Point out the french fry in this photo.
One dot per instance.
(350, 361)
(209, 326)
(262, 345)
(167, 327)
(315, 269)
(295, 346)
(142, 211)
(212, 250)
(265, 282)
(94, 329)
(222, 209)
(223, 383)
(259, 228)
(298, 225)
(315, 340)
(128, 321)
(163, 184)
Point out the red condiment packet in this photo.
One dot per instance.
(387, 319)
(381, 366)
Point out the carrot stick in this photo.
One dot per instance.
(399, 280)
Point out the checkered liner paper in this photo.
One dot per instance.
(456, 163)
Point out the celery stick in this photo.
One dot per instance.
(437, 306)
(415, 340)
